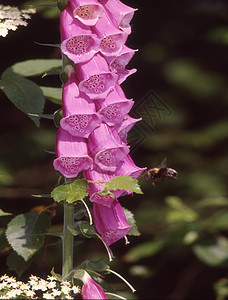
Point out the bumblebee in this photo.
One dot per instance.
(160, 173)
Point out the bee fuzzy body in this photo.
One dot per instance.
(160, 173)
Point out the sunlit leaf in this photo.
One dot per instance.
(52, 94)
(70, 192)
(25, 233)
(35, 67)
(2, 213)
(122, 182)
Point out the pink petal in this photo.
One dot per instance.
(110, 222)
(91, 290)
(88, 12)
(114, 108)
(96, 80)
(112, 38)
(80, 117)
(120, 14)
(106, 148)
(94, 188)
(126, 126)
(79, 44)
(72, 154)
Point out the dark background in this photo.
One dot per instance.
(181, 58)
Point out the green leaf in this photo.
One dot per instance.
(131, 221)
(99, 265)
(17, 264)
(35, 67)
(52, 94)
(2, 213)
(24, 233)
(71, 192)
(144, 250)
(213, 252)
(24, 94)
(122, 182)
(84, 229)
(179, 212)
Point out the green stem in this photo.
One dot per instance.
(67, 240)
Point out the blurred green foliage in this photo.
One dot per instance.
(182, 252)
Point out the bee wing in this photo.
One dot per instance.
(163, 163)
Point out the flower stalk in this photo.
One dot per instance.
(67, 240)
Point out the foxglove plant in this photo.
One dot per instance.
(91, 139)
(94, 105)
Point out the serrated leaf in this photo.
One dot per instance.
(52, 94)
(35, 67)
(24, 233)
(131, 221)
(213, 252)
(122, 182)
(2, 213)
(17, 264)
(70, 192)
(24, 94)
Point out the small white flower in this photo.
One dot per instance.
(51, 285)
(65, 290)
(48, 296)
(30, 293)
(75, 289)
(56, 292)
(51, 278)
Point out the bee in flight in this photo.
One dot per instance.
(160, 172)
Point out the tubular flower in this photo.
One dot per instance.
(92, 136)
(96, 80)
(90, 289)
(80, 117)
(119, 13)
(78, 42)
(115, 107)
(106, 148)
(72, 154)
(110, 222)
(87, 11)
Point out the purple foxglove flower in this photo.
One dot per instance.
(119, 13)
(114, 108)
(72, 154)
(106, 148)
(110, 222)
(91, 290)
(112, 38)
(96, 80)
(80, 117)
(78, 42)
(118, 64)
(94, 188)
(87, 11)
(125, 126)
(129, 168)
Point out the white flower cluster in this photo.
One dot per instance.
(36, 288)
(11, 17)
